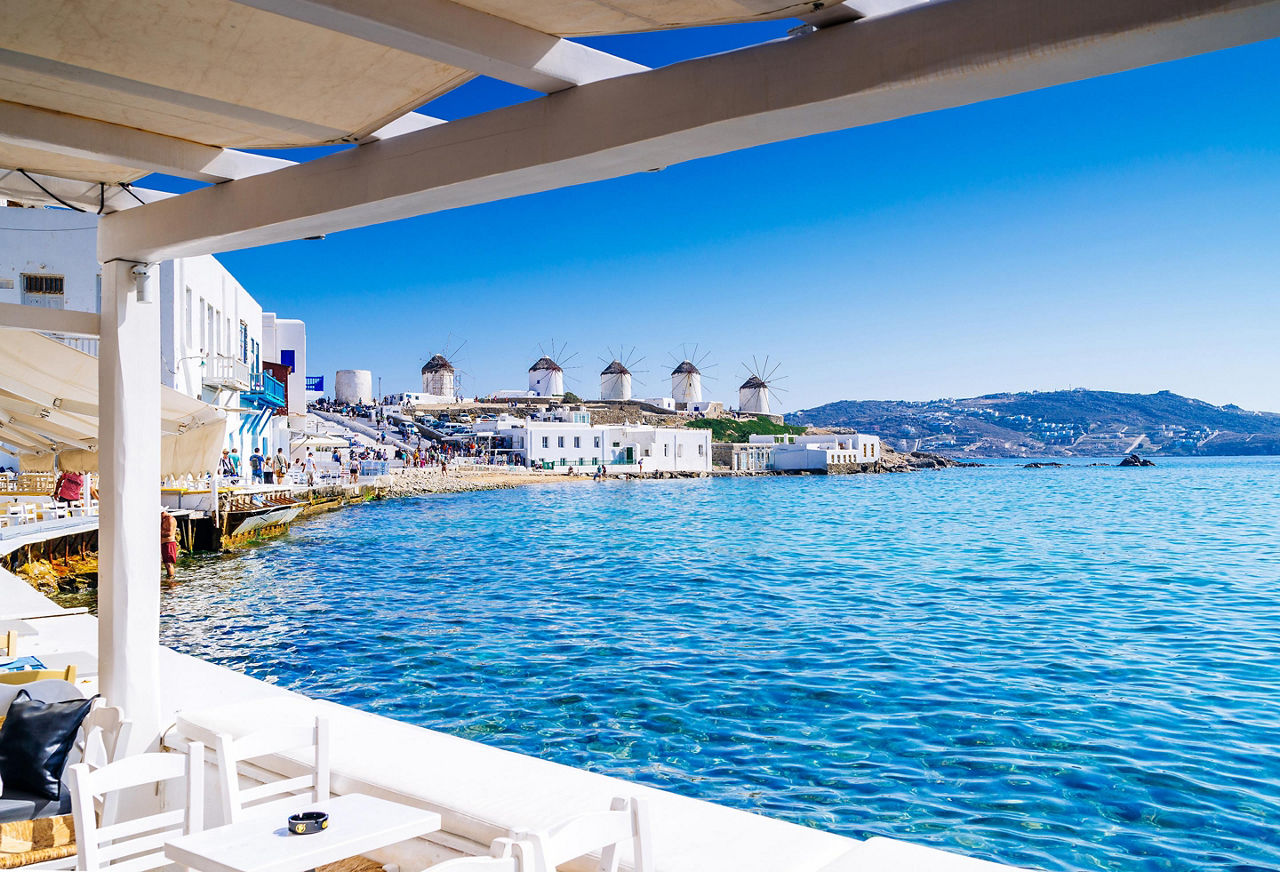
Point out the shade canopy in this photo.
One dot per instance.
(49, 409)
(318, 440)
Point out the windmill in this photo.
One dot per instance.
(439, 377)
(753, 394)
(615, 378)
(546, 376)
(686, 378)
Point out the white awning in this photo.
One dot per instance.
(49, 407)
(316, 440)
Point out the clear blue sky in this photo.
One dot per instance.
(1121, 233)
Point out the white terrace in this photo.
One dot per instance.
(97, 94)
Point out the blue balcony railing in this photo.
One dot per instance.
(266, 391)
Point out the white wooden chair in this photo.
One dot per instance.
(505, 855)
(137, 844)
(603, 831)
(235, 758)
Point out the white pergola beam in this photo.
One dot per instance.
(19, 317)
(931, 57)
(461, 37)
(86, 138)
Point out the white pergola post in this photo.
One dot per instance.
(129, 526)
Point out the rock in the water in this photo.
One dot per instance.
(1043, 465)
(1135, 460)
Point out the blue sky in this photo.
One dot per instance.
(1121, 233)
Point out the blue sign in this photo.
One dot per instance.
(315, 383)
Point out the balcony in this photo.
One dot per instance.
(221, 371)
(265, 392)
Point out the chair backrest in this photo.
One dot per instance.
(505, 855)
(27, 676)
(136, 844)
(235, 758)
(603, 831)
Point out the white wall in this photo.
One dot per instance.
(281, 335)
(662, 449)
(52, 242)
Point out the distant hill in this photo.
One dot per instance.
(1078, 422)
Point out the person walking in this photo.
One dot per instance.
(256, 462)
(310, 469)
(355, 469)
(279, 465)
(226, 468)
(168, 541)
(235, 461)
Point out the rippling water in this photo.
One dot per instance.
(1067, 669)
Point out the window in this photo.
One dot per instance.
(701, 450)
(597, 445)
(42, 291)
(560, 442)
(577, 441)
(244, 342)
(287, 357)
(679, 451)
(595, 461)
(546, 441)
(666, 450)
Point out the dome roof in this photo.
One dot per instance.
(753, 383)
(615, 368)
(437, 364)
(545, 363)
(686, 368)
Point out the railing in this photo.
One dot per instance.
(226, 372)
(268, 389)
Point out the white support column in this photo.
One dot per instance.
(129, 527)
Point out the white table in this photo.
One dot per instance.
(357, 824)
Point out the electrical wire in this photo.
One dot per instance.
(51, 193)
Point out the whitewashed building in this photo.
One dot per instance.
(284, 342)
(621, 447)
(820, 452)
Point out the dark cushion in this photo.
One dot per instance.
(17, 805)
(34, 743)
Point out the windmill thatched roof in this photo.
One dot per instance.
(437, 364)
(615, 368)
(545, 363)
(686, 368)
(753, 383)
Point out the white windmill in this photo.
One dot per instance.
(439, 377)
(686, 378)
(753, 394)
(546, 376)
(615, 378)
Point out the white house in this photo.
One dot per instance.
(622, 447)
(211, 349)
(284, 341)
(820, 452)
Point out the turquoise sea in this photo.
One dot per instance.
(1060, 668)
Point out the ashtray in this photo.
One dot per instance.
(308, 822)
